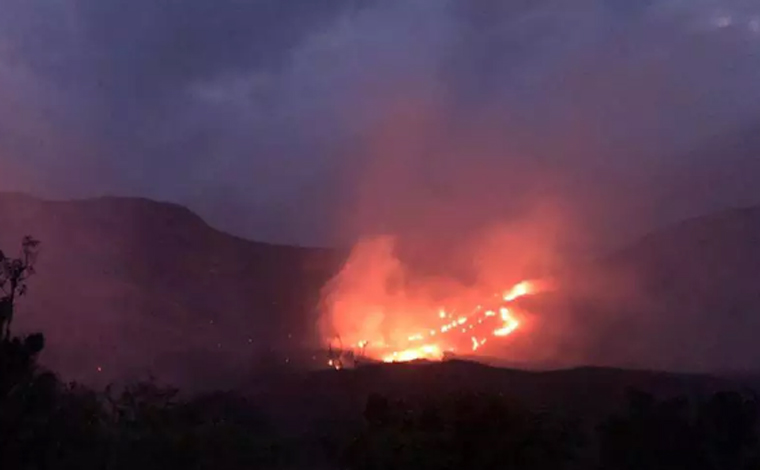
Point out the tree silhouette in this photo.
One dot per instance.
(45, 423)
(720, 433)
(13, 275)
(469, 430)
(728, 426)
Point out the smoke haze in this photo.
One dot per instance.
(464, 146)
(267, 117)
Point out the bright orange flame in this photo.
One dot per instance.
(429, 351)
(510, 323)
(437, 340)
(518, 290)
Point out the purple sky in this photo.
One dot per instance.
(272, 118)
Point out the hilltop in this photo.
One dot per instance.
(155, 288)
(686, 297)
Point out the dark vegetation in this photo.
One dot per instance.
(415, 416)
(45, 423)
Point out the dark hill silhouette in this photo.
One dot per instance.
(700, 281)
(135, 285)
(683, 298)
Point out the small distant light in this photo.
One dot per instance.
(250, 340)
(290, 335)
(211, 322)
(287, 360)
(100, 369)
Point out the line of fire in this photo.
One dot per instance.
(450, 333)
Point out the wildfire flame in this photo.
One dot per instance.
(472, 329)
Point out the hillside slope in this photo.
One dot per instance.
(131, 285)
(701, 279)
(135, 285)
(683, 298)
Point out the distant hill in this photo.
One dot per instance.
(683, 298)
(134, 285)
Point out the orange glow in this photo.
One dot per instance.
(374, 309)
(506, 325)
(429, 351)
(517, 291)
(510, 323)
(449, 336)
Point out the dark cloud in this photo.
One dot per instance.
(263, 115)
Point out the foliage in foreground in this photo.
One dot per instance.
(47, 424)
(475, 431)
(462, 431)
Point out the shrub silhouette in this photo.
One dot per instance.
(13, 275)
(46, 423)
(461, 431)
(720, 433)
(728, 425)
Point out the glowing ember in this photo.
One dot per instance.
(510, 323)
(429, 351)
(519, 290)
(469, 331)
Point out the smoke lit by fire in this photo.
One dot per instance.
(372, 310)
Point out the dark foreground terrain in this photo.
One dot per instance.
(451, 415)
(159, 287)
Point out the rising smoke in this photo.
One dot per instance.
(464, 145)
(456, 198)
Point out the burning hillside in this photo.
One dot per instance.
(373, 309)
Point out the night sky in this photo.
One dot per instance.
(312, 122)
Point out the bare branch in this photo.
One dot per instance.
(13, 275)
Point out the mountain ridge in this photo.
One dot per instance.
(684, 297)
(161, 291)
(115, 272)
